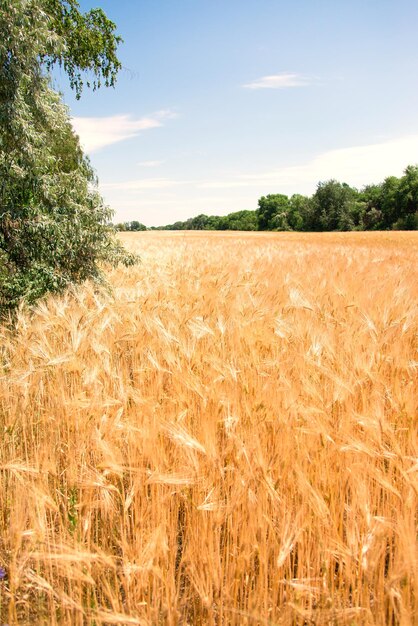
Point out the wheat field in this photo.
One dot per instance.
(225, 435)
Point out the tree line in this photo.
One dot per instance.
(335, 206)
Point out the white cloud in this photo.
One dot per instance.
(97, 132)
(357, 165)
(144, 183)
(279, 81)
(150, 163)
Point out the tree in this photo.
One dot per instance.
(272, 211)
(371, 215)
(389, 201)
(198, 223)
(298, 210)
(333, 206)
(407, 200)
(54, 227)
(135, 226)
(242, 220)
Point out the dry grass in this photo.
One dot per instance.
(228, 439)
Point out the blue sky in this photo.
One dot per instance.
(222, 101)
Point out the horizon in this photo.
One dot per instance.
(218, 105)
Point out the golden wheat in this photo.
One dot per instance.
(227, 436)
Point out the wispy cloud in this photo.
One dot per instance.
(279, 81)
(356, 165)
(144, 183)
(150, 163)
(98, 132)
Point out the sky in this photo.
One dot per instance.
(222, 101)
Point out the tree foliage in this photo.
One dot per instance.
(272, 211)
(133, 226)
(54, 227)
(333, 206)
(240, 220)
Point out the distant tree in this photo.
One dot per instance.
(214, 223)
(299, 207)
(244, 220)
(334, 206)
(407, 200)
(239, 220)
(280, 221)
(389, 201)
(135, 226)
(268, 208)
(199, 222)
(393, 203)
(371, 216)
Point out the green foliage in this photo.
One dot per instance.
(130, 226)
(240, 220)
(388, 201)
(272, 212)
(393, 203)
(87, 44)
(407, 200)
(54, 227)
(371, 215)
(333, 206)
(299, 208)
